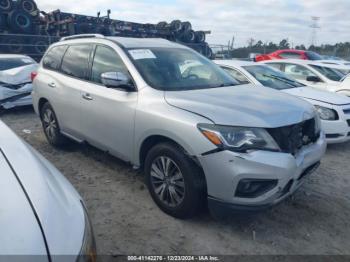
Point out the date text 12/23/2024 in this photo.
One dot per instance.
(173, 258)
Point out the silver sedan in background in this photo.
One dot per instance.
(41, 212)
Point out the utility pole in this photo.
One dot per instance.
(314, 26)
(232, 42)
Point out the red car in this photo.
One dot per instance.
(288, 54)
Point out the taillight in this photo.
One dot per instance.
(33, 75)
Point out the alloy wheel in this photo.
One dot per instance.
(50, 124)
(167, 181)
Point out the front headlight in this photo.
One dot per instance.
(318, 124)
(239, 139)
(327, 113)
(88, 249)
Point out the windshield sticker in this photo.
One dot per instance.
(142, 54)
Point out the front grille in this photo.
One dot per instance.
(292, 138)
(346, 111)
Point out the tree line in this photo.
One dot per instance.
(340, 49)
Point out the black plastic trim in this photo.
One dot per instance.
(330, 136)
(219, 207)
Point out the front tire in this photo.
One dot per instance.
(51, 127)
(174, 181)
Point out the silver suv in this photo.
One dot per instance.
(200, 137)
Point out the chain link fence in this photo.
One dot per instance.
(31, 45)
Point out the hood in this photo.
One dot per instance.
(20, 231)
(319, 95)
(18, 75)
(346, 81)
(244, 105)
(55, 201)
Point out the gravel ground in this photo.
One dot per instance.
(126, 221)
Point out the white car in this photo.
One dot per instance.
(334, 109)
(42, 216)
(333, 60)
(315, 74)
(15, 80)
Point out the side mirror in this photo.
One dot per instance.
(314, 79)
(117, 80)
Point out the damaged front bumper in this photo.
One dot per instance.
(272, 176)
(15, 96)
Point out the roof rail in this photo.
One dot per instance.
(82, 36)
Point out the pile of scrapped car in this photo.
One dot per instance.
(24, 29)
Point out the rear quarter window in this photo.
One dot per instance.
(53, 58)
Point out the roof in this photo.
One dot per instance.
(306, 62)
(125, 42)
(130, 42)
(291, 50)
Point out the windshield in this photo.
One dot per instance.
(313, 56)
(175, 69)
(272, 78)
(10, 63)
(330, 73)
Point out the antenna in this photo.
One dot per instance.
(314, 26)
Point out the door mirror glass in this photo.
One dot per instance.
(117, 80)
(314, 79)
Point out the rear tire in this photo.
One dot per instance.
(51, 127)
(174, 181)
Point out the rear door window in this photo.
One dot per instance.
(76, 61)
(298, 72)
(330, 73)
(53, 58)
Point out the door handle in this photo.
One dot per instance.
(87, 97)
(53, 85)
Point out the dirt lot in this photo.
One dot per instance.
(126, 221)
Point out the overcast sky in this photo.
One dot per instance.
(267, 20)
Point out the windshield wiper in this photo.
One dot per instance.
(286, 80)
(224, 85)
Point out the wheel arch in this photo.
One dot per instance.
(149, 142)
(42, 101)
